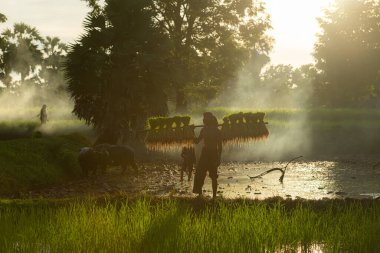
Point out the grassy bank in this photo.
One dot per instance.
(37, 162)
(173, 225)
(15, 129)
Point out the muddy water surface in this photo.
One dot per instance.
(309, 180)
(317, 179)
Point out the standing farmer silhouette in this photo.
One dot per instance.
(210, 155)
(43, 114)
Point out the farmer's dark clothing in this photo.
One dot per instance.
(210, 157)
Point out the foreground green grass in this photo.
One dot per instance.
(37, 162)
(169, 225)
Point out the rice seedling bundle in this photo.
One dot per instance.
(239, 128)
(167, 133)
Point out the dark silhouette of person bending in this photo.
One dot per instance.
(209, 160)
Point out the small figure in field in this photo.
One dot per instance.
(188, 155)
(43, 114)
(211, 154)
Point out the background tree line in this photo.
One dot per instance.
(137, 55)
(29, 60)
(138, 58)
(346, 72)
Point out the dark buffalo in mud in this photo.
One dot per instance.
(119, 155)
(91, 160)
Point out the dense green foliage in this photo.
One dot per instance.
(36, 59)
(117, 69)
(135, 55)
(347, 54)
(211, 40)
(286, 86)
(36, 162)
(144, 225)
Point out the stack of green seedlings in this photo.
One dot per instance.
(166, 133)
(240, 128)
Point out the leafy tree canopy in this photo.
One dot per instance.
(347, 53)
(135, 52)
(21, 51)
(211, 41)
(117, 69)
(286, 86)
(37, 60)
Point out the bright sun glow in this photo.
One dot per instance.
(294, 28)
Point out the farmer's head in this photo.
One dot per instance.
(209, 119)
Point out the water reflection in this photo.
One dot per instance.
(310, 180)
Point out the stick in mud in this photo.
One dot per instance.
(282, 170)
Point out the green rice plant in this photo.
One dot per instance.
(168, 133)
(180, 225)
(240, 128)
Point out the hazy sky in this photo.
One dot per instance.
(294, 24)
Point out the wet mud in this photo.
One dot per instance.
(343, 177)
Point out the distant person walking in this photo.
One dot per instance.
(210, 158)
(43, 114)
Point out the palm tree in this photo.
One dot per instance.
(54, 55)
(116, 70)
(21, 50)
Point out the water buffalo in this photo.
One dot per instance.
(119, 155)
(91, 160)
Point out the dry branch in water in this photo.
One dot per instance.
(282, 170)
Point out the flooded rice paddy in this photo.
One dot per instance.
(317, 179)
(309, 180)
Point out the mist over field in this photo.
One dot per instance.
(285, 140)
(97, 133)
(25, 104)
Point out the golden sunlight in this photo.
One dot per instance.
(294, 28)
